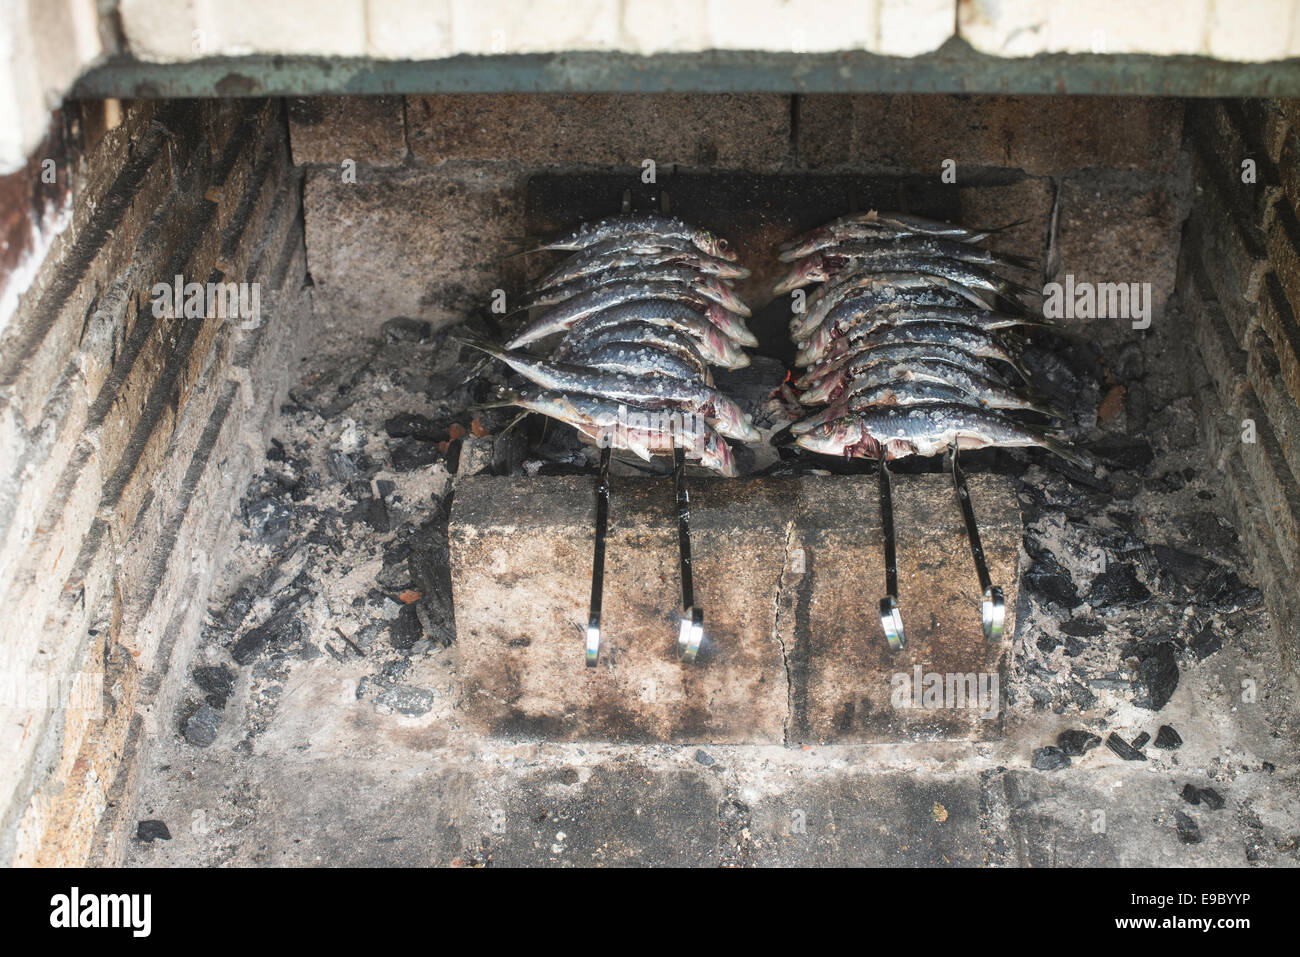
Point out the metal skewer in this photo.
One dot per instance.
(691, 633)
(598, 560)
(890, 619)
(993, 608)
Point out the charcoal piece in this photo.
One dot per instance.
(150, 831)
(217, 681)
(1207, 531)
(1076, 742)
(410, 454)
(1205, 643)
(1211, 798)
(342, 466)
(1186, 568)
(200, 728)
(268, 520)
(405, 329)
(1117, 585)
(1191, 794)
(1141, 740)
(1050, 758)
(1226, 591)
(1130, 364)
(405, 630)
(1082, 628)
(704, 758)
(1073, 647)
(412, 425)
(1129, 454)
(282, 627)
(1048, 578)
(1123, 748)
(1167, 739)
(1048, 643)
(394, 575)
(1157, 677)
(1188, 831)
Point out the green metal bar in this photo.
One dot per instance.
(954, 68)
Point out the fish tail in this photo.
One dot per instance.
(483, 345)
(987, 231)
(1021, 262)
(505, 400)
(1057, 445)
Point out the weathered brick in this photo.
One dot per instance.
(332, 129)
(717, 131)
(1119, 228)
(786, 571)
(420, 244)
(1043, 135)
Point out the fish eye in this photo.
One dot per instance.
(724, 245)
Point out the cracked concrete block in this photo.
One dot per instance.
(789, 572)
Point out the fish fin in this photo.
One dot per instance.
(1020, 262)
(987, 231)
(1056, 444)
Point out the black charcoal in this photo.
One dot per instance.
(1188, 832)
(1123, 748)
(1050, 758)
(1077, 742)
(1168, 739)
(150, 831)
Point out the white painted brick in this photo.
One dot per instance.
(665, 26)
(1029, 27)
(505, 26)
(1261, 30)
(779, 25)
(408, 29)
(44, 44)
(913, 27)
(161, 31)
(178, 30)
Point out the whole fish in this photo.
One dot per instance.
(636, 250)
(714, 345)
(848, 322)
(906, 390)
(844, 287)
(904, 372)
(643, 431)
(588, 234)
(580, 343)
(565, 315)
(873, 299)
(966, 275)
(640, 358)
(874, 224)
(894, 433)
(823, 265)
(709, 287)
(976, 342)
(651, 392)
(830, 381)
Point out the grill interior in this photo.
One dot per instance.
(232, 543)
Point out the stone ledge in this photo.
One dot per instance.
(789, 572)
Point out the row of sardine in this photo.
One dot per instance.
(911, 342)
(641, 309)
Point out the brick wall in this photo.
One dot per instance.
(127, 438)
(1239, 284)
(411, 202)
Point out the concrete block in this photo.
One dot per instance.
(789, 572)
(718, 131)
(364, 129)
(425, 245)
(1043, 135)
